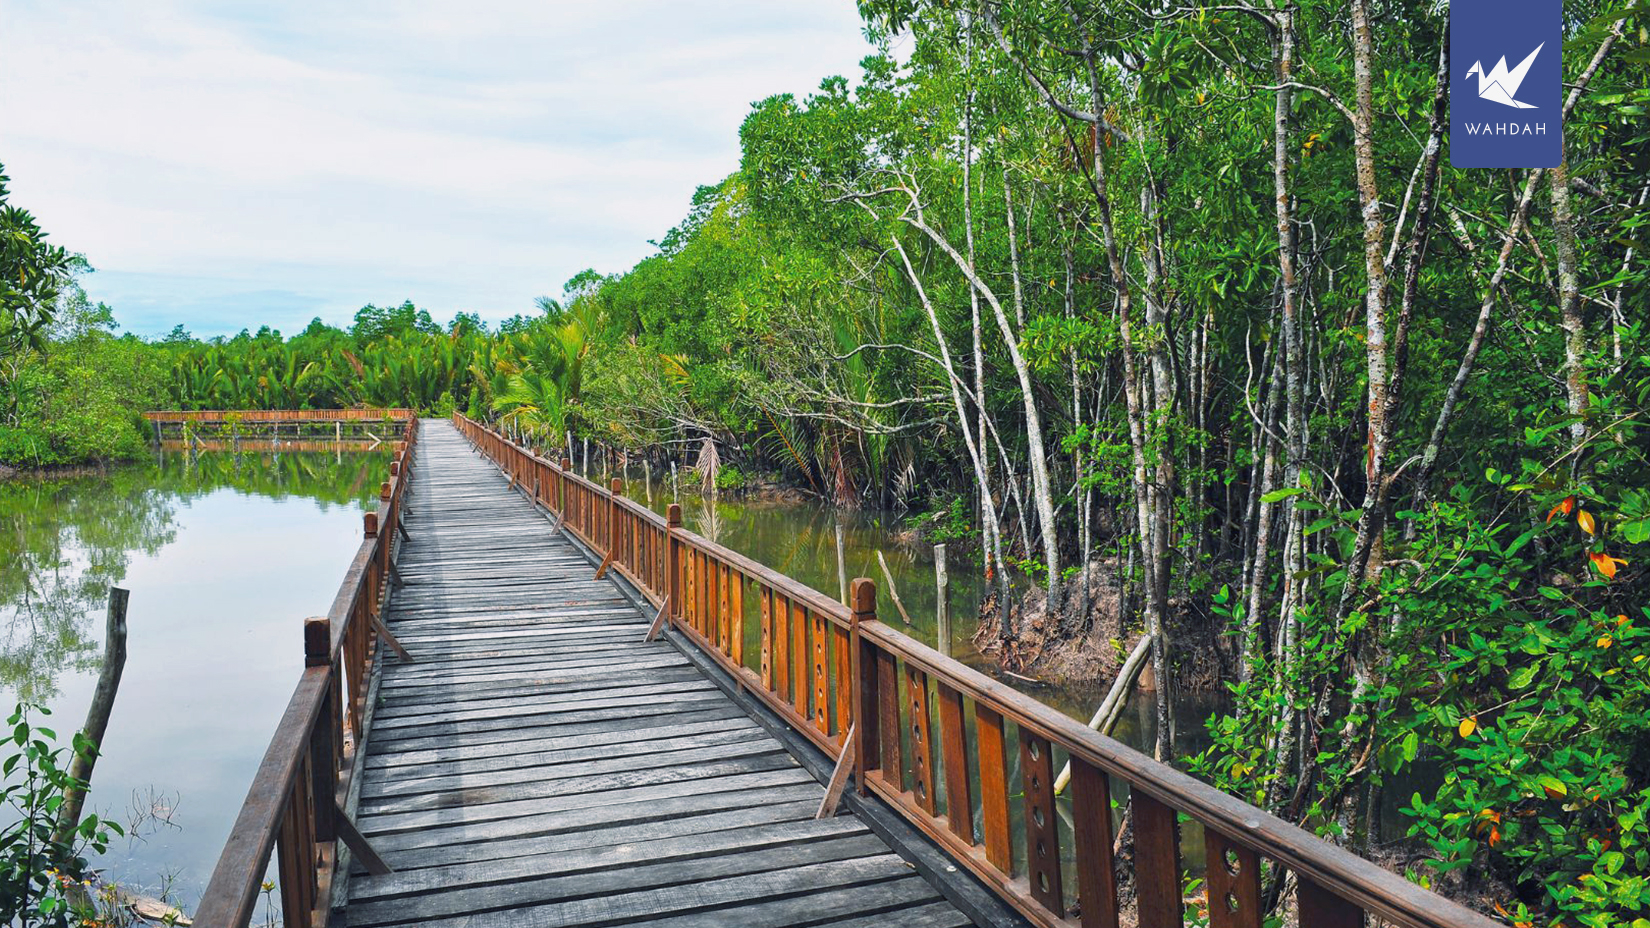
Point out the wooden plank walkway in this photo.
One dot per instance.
(539, 766)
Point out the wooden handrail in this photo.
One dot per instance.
(355, 414)
(827, 670)
(291, 806)
(232, 901)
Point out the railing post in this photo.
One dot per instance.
(673, 560)
(1157, 865)
(863, 679)
(388, 524)
(369, 529)
(326, 740)
(310, 826)
(1321, 908)
(615, 490)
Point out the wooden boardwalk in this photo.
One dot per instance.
(536, 764)
(539, 765)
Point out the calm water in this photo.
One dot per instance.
(226, 554)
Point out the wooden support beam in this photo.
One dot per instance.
(389, 639)
(839, 778)
(357, 843)
(658, 621)
(395, 575)
(401, 528)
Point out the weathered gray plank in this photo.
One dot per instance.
(687, 895)
(687, 823)
(400, 782)
(411, 821)
(594, 818)
(477, 877)
(576, 747)
(896, 904)
(470, 798)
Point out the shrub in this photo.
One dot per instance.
(43, 881)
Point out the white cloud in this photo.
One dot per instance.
(233, 164)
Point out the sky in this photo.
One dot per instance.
(232, 164)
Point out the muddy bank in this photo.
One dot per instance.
(1088, 636)
(769, 492)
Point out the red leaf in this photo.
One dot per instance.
(1565, 506)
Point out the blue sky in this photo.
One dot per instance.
(226, 165)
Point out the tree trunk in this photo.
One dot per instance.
(1035, 450)
(992, 530)
(1569, 304)
(1042, 489)
(97, 718)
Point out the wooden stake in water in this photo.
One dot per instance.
(841, 564)
(97, 715)
(675, 485)
(585, 468)
(647, 478)
(893, 591)
(942, 602)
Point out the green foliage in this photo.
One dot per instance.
(528, 374)
(730, 479)
(1538, 699)
(376, 323)
(77, 397)
(1518, 679)
(950, 522)
(43, 881)
(31, 274)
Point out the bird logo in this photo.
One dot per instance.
(1501, 85)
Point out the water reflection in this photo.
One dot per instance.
(225, 554)
(64, 542)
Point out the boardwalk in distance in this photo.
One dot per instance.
(539, 765)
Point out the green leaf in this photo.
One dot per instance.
(1284, 493)
(1519, 542)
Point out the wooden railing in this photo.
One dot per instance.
(933, 738)
(295, 806)
(283, 416)
(262, 445)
